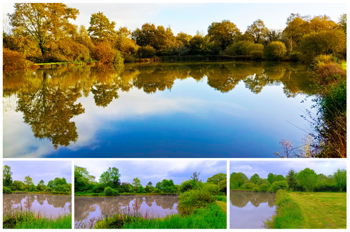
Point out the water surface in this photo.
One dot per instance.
(44, 205)
(88, 210)
(223, 109)
(250, 210)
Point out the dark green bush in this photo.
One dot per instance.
(193, 199)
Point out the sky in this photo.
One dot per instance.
(195, 17)
(153, 170)
(282, 166)
(40, 170)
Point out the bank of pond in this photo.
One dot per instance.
(37, 211)
(150, 211)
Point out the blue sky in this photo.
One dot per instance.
(194, 17)
(282, 166)
(153, 170)
(40, 170)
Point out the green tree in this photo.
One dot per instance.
(82, 179)
(166, 186)
(110, 178)
(101, 28)
(217, 178)
(41, 186)
(237, 180)
(7, 176)
(136, 183)
(28, 183)
(291, 180)
(149, 187)
(18, 185)
(340, 179)
(223, 33)
(255, 179)
(307, 179)
(43, 22)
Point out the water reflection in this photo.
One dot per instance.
(90, 209)
(250, 210)
(52, 102)
(49, 206)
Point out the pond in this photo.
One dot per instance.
(44, 205)
(250, 210)
(221, 109)
(88, 210)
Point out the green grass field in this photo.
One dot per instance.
(322, 210)
(28, 220)
(309, 210)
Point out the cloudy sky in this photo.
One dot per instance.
(193, 17)
(40, 170)
(282, 166)
(178, 170)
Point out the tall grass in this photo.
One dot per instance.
(210, 217)
(28, 220)
(288, 215)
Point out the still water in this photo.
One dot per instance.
(48, 206)
(222, 109)
(250, 210)
(88, 210)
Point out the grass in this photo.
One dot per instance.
(28, 220)
(309, 210)
(211, 217)
(322, 210)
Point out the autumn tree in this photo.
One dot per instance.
(101, 28)
(258, 31)
(223, 33)
(42, 22)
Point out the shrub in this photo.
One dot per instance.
(98, 188)
(277, 185)
(323, 59)
(13, 60)
(110, 191)
(249, 186)
(329, 72)
(275, 50)
(193, 199)
(104, 53)
(67, 50)
(264, 187)
(189, 185)
(6, 190)
(211, 188)
(146, 52)
(256, 51)
(118, 61)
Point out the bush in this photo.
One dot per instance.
(275, 50)
(277, 185)
(256, 51)
(110, 191)
(189, 185)
(192, 200)
(98, 188)
(118, 60)
(67, 50)
(249, 186)
(211, 188)
(264, 187)
(6, 190)
(13, 60)
(146, 52)
(329, 72)
(104, 53)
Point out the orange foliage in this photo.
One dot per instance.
(13, 60)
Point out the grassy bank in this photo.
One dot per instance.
(34, 193)
(313, 210)
(210, 217)
(322, 210)
(28, 220)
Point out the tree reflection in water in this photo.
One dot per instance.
(48, 99)
(90, 209)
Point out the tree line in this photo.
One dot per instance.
(57, 185)
(306, 180)
(109, 184)
(44, 32)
